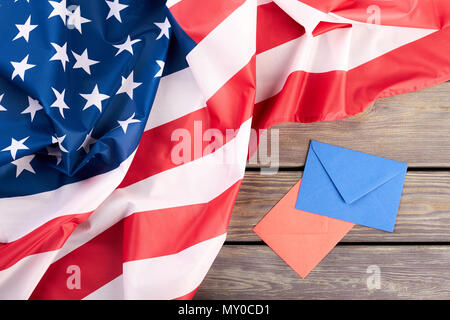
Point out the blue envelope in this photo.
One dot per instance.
(352, 186)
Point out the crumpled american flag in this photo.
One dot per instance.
(97, 200)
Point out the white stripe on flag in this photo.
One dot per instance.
(232, 43)
(113, 290)
(178, 95)
(261, 2)
(305, 15)
(18, 282)
(339, 49)
(171, 3)
(195, 182)
(166, 277)
(21, 215)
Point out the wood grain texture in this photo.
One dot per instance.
(256, 272)
(424, 213)
(413, 128)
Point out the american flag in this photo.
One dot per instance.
(93, 205)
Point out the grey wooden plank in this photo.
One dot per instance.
(412, 127)
(256, 272)
(424, 212)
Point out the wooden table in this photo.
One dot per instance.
(414, 261)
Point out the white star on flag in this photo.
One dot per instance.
(83, 61)
(94, 98)
(2, 108)
(161, 68)
(25, 29)
(33, 107)
(124, 124)
(88, 141)
(15, 146)
(127, 45)
(21, 67)
(114, 9)
(76, 20)
(128, 85)
(59, 9)
(23, 164)
(61, 54)
(164, 26)
(59, 102)
(59, 141)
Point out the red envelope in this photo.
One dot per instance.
(300, 238)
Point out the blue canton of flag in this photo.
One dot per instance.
(78, 79)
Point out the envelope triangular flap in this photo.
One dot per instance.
(354, 173)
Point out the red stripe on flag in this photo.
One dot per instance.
(231, 106)
(274, 27)
(418, 14)
(139, 236)
(188, 296)
(324, 27)
(99, 261)
(322, 98)
(200, 17)
(48, 237)
(174, 232)
(338, 94)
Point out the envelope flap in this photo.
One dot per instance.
(354, 173)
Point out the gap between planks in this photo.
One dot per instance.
(424, 213)
(406, 272)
